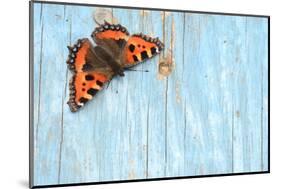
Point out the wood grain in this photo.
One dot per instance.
(209, 116)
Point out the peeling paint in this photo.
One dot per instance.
(132, 175)
(178, 96)
(173, 34)
(166, 66)
(165, 14)
(144, 13)
(104, 14)
(237, 113)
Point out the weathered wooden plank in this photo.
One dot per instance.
(156, 136)
(254, 100)
(223, 40)
(134, 129)
(208, 142)
(257, 46)
(174, 41)
(52, 81)
(192, 135)
(264, 69)
(38, 34)
(248, 100)
(228, 45)
(81, 150)
(209, 116)
(239, 100)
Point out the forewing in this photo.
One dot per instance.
(139, 48)
(91, 67)
(111, 37)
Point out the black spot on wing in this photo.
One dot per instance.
(92, 91)
(89, 77)
(83, 100)
(99, 83)
(153, 50)
(132, 47)
(87, 67)
(135, 58)
(144, 55)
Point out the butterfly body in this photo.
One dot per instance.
(115, 52)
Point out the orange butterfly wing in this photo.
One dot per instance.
(83, 87)
(139, 48)
(90, 73)
(107, 31)
(111, 37)
(131, 50)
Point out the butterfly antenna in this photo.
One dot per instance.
(129, 69)
(108, 84)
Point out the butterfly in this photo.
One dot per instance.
(115, 52)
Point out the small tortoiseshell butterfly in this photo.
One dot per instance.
(115, 52)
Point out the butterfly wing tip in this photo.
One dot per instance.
(72, 106)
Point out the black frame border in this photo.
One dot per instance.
(31, 93)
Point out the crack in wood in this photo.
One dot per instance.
(147, 138)
(40, 76)
(262, 166)
(62, 104)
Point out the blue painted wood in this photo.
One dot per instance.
(51, 68)
(208, 116)
(157, 109)
(174, 93)
(206, 65)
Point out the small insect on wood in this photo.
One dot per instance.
(116, 51)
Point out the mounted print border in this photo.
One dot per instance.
(201, 108)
